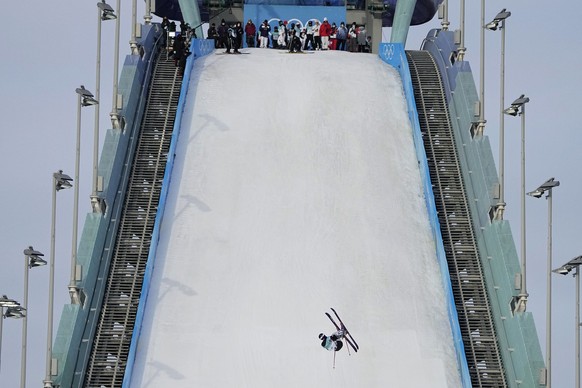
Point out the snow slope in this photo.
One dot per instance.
(295, 188)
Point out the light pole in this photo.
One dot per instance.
(8, 303)
(445, 23)
(85, 98)
(462, 48)
(148, 12)
(116, 120)
(133, 41)
(104, 12)
(32, 259)
(481, 122)
(60, 181)
(547, 187)
(499, 22)
(563, 270)
(518, 107)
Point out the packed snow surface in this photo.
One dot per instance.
(296, 188)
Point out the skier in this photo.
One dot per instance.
(333, 342)
(234, 38)
(294, 42)
(237, 34)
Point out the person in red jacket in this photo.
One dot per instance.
(250, 31)
(325, 32)
(332, 38)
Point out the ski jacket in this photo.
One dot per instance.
(264, 30)
(362, 36)
(222, 30)
(212, 34)
(250, 29)
(281, 39)
(238, 33)
(331, 345)
(325, 29)
(316, 30)
(342, 33)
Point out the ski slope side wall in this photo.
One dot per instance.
(517, 335)
(393, 54)
(199, 48)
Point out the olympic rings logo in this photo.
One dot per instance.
(388, 51)
(293, 20)
(205, 45)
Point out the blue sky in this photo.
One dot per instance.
(48, 53)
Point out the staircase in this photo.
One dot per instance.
(470, 294)
(110, 348)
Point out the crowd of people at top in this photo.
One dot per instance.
(294, 37)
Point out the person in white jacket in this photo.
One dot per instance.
(281, 41)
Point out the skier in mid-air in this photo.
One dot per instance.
(333, 342)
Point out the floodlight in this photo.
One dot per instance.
(62, 181)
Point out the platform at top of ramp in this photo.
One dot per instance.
(295, 188)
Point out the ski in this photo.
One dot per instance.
(225, 53)
(347, 331)
(348, 340)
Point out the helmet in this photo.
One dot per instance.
(321, 336)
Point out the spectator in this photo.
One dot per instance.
(361, 39)
(302, 37)
(165, 27)
(353, 38)
(290, 35)
(165, 23)
(264, 31)
(368, 46)
(332, 37)
(282, 40)
(183, 28)
(325, 32)
(309, 45)
(316, 36)
(222, 34)
(182, 61)
(237, 36)
(275, 37)
(212, 34)
(286, 36)
(178, 49)
(341, 36)
(250, 31)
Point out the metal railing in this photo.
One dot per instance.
(110, 345)
(467, 280)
